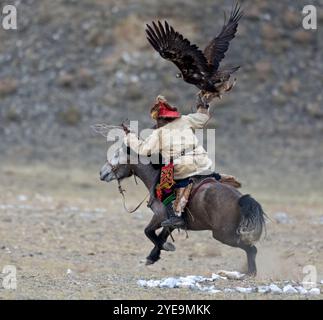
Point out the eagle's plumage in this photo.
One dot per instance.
(197, 67)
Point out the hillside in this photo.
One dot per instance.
(74, 63)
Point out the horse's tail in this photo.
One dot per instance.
(252, 220)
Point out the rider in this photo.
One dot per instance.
(183, 158)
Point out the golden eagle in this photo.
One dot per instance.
(197, 67)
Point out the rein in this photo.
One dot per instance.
(114, 169)
(122, 191)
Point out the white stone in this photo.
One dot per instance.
(289, 289)
(244, 290)
(282, 217)
(185, 282)
(22, 197)
(301, 290)
(228, 290)
(215, 291)
(263, 289)
(142, 283)
(204, 288)
(314, 291)
(153, 283)
(275, 289)
(169, 283)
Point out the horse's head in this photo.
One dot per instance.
(117, 166)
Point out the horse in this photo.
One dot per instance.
(236, 220)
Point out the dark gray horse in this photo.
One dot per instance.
(234, 219)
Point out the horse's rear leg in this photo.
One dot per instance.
(164, 234)
(251, 252)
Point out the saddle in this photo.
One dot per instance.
(199, 181)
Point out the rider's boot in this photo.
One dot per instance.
(174, 220)
(175, 211)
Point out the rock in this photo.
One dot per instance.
(153, 283)
(82, 78)
(274, 289)
(315, 109)
(13, 115)
(8, 86)
(263, 69)
(71, 116)
(263, 289)
(142, 283)
(169, 283)
(228, 290)
(253, 13)
(232, 275)
(292, 19)
(215, 291)
(204, 288)
(281, 217)
(22, 197)
(314, 291)
(186, 283)
(301, 290)
(65, 80)
(244, 290)
(303, 36)
(85, 78)
(269, 32)
(289, 289)
(291, 87)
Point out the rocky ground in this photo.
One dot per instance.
(73, 64)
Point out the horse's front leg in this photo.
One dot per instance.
(159, 241)
(150, 232)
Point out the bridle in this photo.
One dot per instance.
(114, 169)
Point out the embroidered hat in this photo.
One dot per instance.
(162, 109)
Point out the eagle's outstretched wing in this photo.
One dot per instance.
(215, 50)
(172, 46)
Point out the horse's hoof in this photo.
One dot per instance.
(149, 262)
(168, 246)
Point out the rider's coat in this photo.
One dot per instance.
(176, 140)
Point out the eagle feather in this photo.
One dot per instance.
(197, 67)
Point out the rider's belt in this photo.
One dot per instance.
(182, 153)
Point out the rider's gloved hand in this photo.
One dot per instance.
(125, 128)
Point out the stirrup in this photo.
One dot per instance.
(174, 221)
